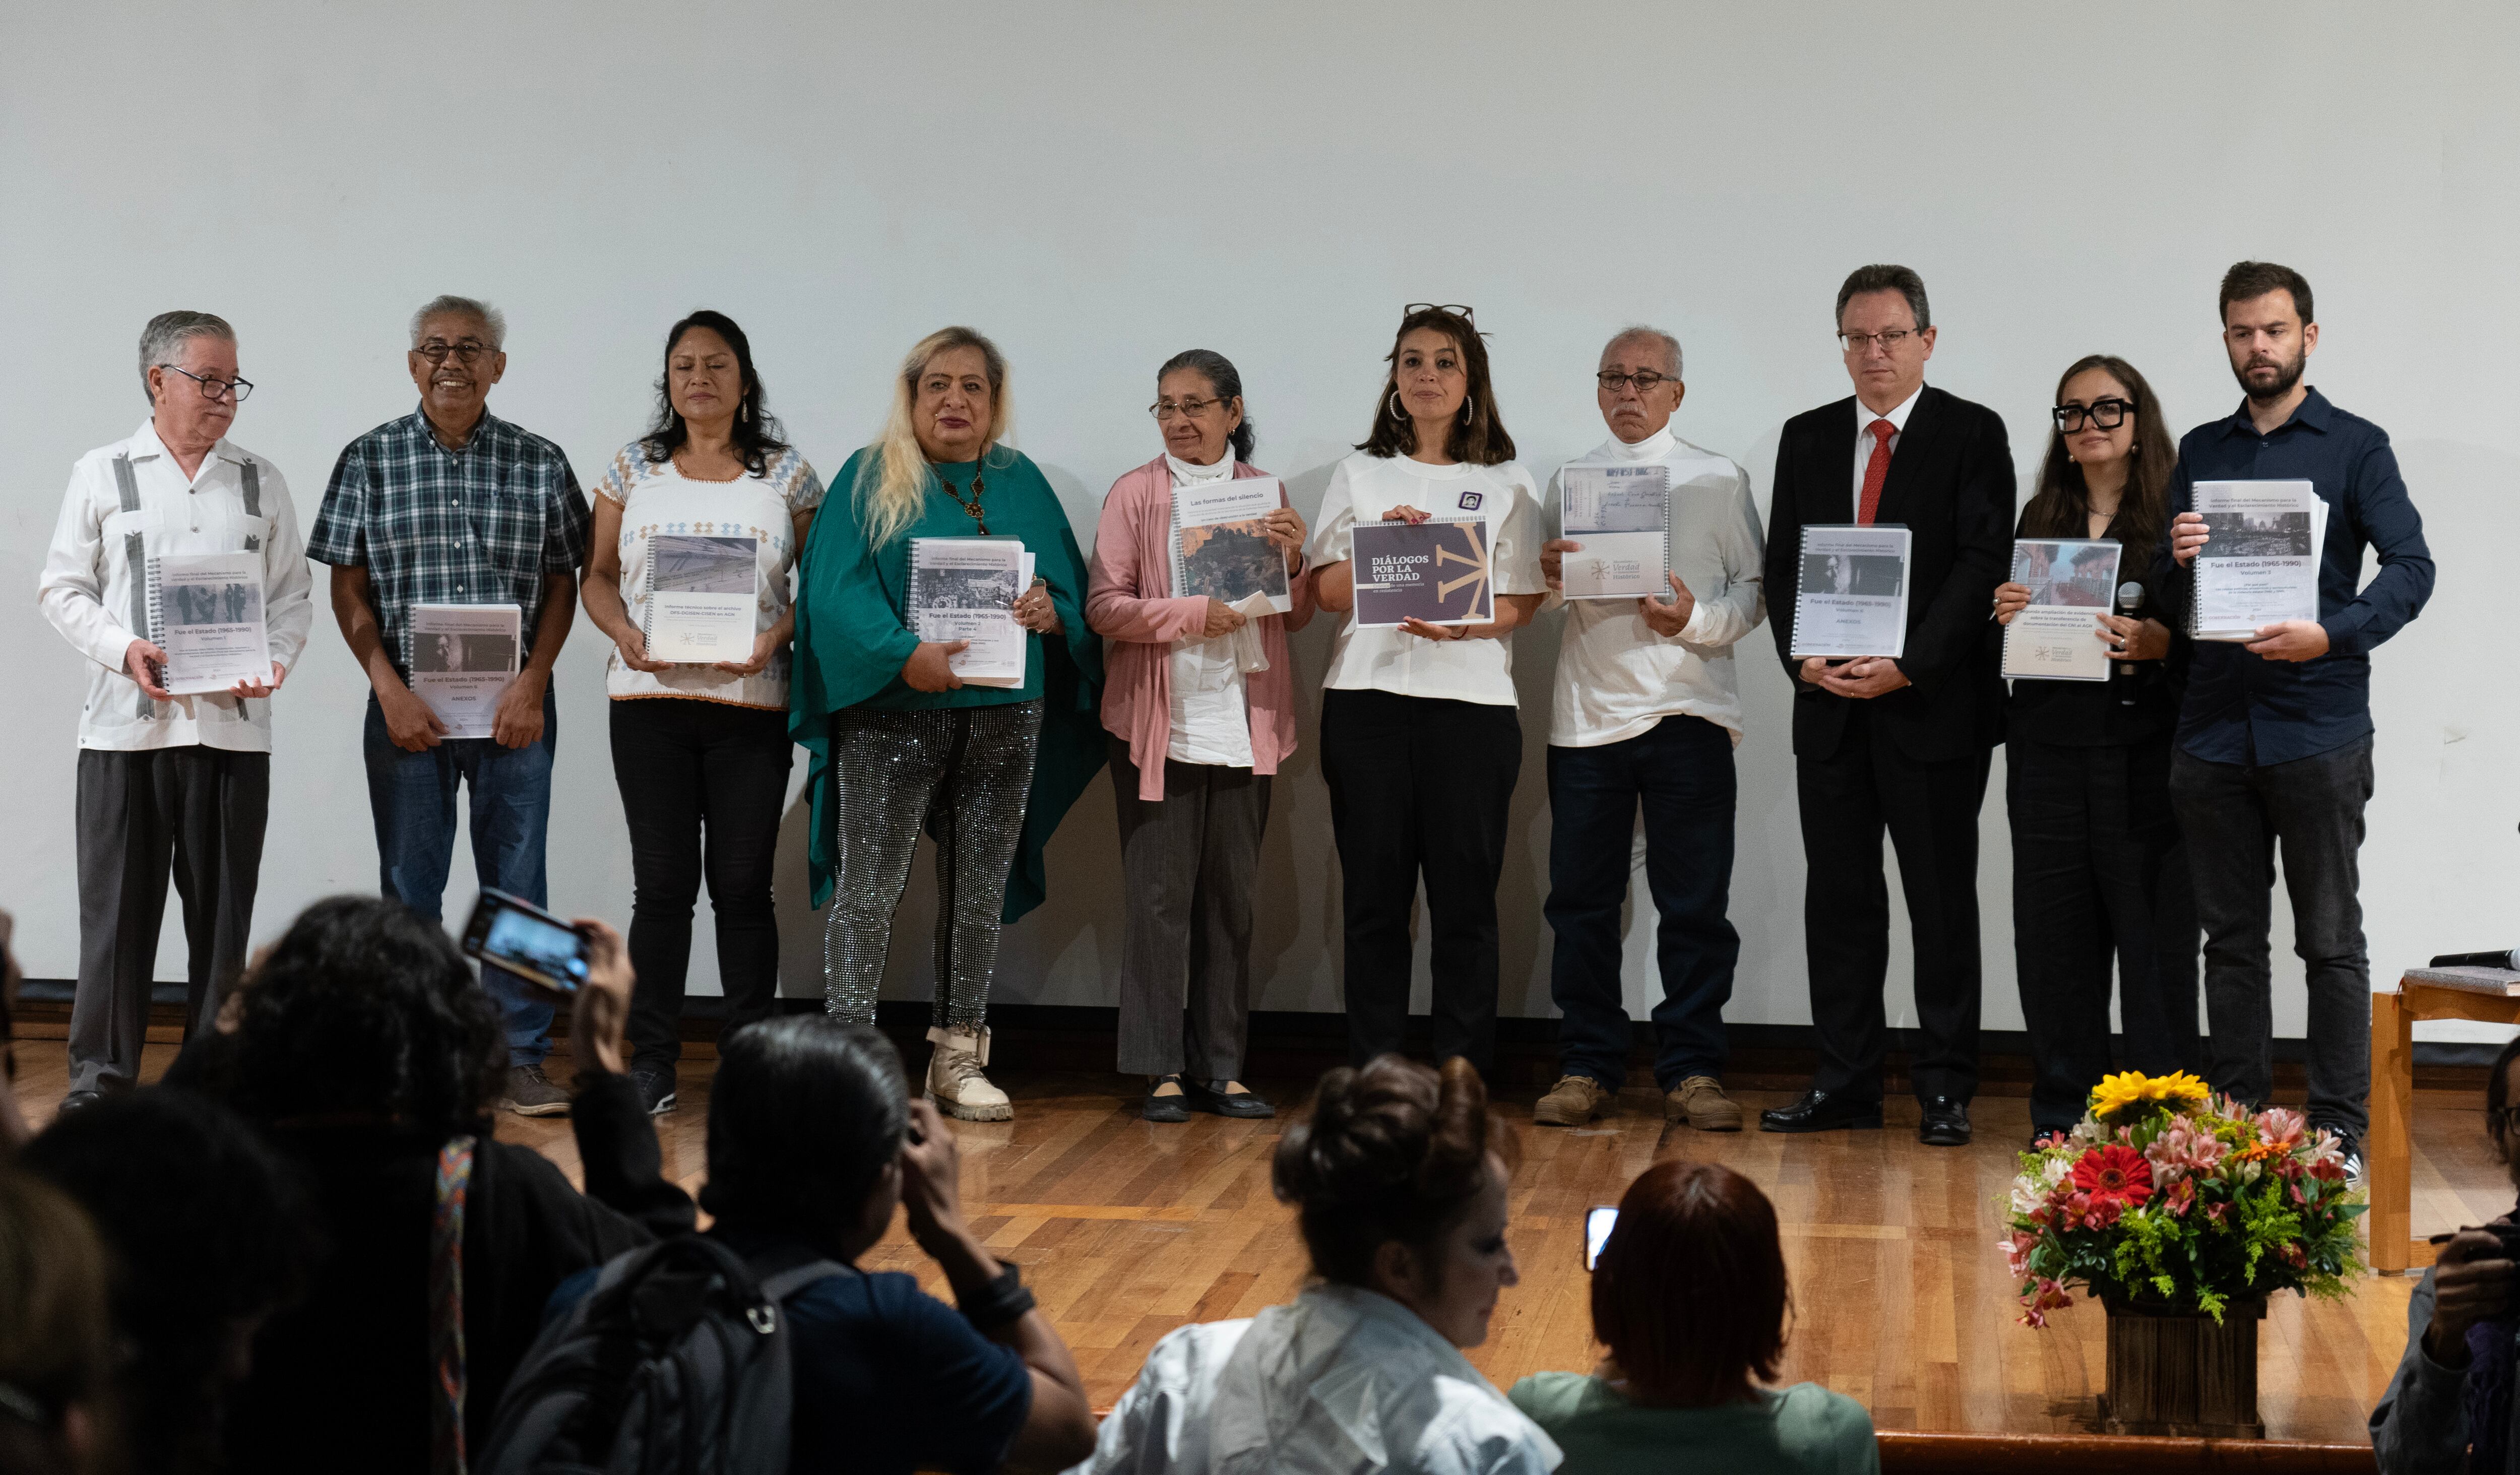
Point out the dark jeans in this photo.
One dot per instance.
(196, 812)
(1680, 770)
(702, 783)
(1419, 785)
(412, 797)
(1190, 864)
(2235, 816)
(1929, 809)
(2099, 877)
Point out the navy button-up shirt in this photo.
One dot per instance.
(2243, 708)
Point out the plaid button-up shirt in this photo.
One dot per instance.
(484, 525)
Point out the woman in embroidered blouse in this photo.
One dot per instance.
(1200, 714)
(898, 739)
(710, 500)
(1421, 739)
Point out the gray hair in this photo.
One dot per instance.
(1641, 334)
(447, 304)
(163, 341)
(1898, 278)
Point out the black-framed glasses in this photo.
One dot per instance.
(2105, 414)
(1450, 309)
(1646, 379)
(1888, 338)
(2507, 1119)
(465, 352)
(1194, 409)
(215, 388)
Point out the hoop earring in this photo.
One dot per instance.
(1467, 407)
(1393, 405)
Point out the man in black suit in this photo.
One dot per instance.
(1894, 742)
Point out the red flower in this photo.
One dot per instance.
(2114, 1174)
(2182, 1196)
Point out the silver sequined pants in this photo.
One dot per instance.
(966, 771)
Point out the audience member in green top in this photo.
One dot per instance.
(1689, 1295)
(898, 739)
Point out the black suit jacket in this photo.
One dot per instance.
(1951, 484)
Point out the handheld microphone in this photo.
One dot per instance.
(2130, 600)
(2499, 957)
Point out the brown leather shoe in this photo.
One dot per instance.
(1701, 1100)
(1573, 1102)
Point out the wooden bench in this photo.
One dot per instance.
(2487, 994)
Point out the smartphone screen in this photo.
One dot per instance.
(1597, 1233)
(535, 946)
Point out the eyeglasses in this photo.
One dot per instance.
(465, 352)
(1889, 339)
(1451, 309)
(2105, 414)
(215, 388)
(1644, 378)
(2507, 1119)
(1194, 408)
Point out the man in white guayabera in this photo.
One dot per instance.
(1647, 713)
(167, 781)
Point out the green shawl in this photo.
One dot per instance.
(852, 637)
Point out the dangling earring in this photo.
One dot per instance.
(1396, 412)
(745, 414)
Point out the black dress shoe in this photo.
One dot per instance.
(1211, 1096)
(1820, 1112)
(1172, 1108)
(1944, 1124)
(78, 1100)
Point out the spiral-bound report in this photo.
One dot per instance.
(964, 589)
(701, 594)
(206, 612)
(1851, 599)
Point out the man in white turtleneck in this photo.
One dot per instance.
(1648, 710)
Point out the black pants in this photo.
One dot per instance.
(2235, 816)
(701, 785)
(1931, 811)
(1681, 771)
(1419, 785)
(2099, 876)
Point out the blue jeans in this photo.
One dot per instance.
(1681, 771)
(413, 799)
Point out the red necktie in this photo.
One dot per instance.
(1877, 470)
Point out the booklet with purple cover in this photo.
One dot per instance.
(1434, 571)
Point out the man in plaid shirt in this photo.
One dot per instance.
(451, 505)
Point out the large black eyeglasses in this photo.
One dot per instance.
(2107, 414)
(1646, 380)
(465, 352)
(215, 388)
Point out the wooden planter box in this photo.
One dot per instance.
(2177, 1373)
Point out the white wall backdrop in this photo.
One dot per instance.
(1100, 186)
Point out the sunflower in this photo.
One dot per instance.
(2133, 1090)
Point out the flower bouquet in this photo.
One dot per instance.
(2170, 1199)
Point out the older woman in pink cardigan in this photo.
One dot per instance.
(1200, 714)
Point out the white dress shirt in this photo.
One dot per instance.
(1362, 489)
(1341, 1382)
(1210, 723)
(89, 583)
(1616, 678)
(1863, 420)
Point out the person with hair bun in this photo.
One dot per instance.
(1689, 1295)
(56, 1344)
(1194, 739)
(1398, 1178)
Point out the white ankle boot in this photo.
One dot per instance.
(955, 1082)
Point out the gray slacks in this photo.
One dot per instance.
(1187, 866)
(197, 810)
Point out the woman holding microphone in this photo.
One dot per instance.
(1194, 739)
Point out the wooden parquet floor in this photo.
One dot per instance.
(1127, 1230)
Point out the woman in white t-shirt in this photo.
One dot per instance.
(697, 528)
(1421, 740)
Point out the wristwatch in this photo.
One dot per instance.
(1003, 1300)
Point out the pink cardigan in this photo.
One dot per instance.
(1128, 602)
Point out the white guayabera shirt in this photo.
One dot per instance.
(1341, 1382)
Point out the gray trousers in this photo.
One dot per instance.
(198, 811)
(2235, 816)
(1188, 868)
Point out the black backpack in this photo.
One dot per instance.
(676, 1364)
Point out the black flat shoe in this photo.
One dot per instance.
(1156, 1108)
(1944, 1124)
(1209, 1096)
(1820, 1112)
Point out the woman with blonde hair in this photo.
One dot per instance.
(898, 739)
